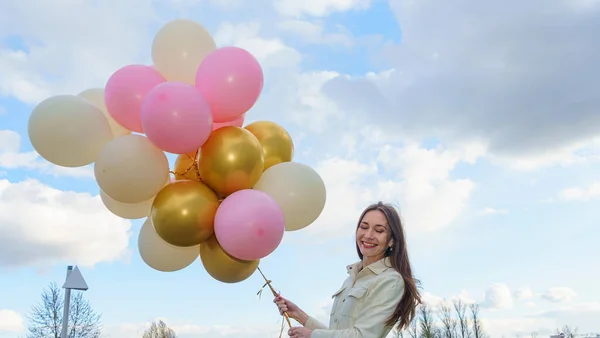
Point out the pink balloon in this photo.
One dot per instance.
(238, 122)
(124, 93)
(249, 224)
(231, 79)
(176, 117)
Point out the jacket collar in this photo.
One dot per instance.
(376, 267)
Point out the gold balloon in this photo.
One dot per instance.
(231, 160)
(183, 213)
(276, 142)
(185, 167)
(221, 266)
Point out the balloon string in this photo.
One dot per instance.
(275, 294)
(193, 166)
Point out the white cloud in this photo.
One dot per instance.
(319, 8)
(432, 300)
(559, 295)
(346, 194)
(583, 316)
(314, 33)
(12, 159)
(498, 296)
(530, 305)
(68, 53)
(581, 194)
(415, 179)
(523, 293)
(513, 326)
(430, 198)
(435, 301)
(10, 321)
(42, 226)
(312, 109)
(583, 152)
(19, 79)
(271, 53)
(492, 211)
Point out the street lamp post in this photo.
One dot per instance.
(74, 281)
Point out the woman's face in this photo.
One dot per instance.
(373, 235)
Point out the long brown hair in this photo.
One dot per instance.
(398, 254)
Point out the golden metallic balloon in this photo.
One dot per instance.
(183, 213)
(221, 266)
(276, 142)
(231, 160)
(185, 167)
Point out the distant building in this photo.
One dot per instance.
(584, 335)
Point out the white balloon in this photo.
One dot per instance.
(96, 97)
(162, 256)
(68, 130)
(178, 49)
(129, 210)
(299, 191)
(130, 169)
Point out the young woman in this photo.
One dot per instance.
(380, 290)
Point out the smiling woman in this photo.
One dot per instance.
(380, 290)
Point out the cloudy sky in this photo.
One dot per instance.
(479, 119)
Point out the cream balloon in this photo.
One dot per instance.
(96, 97)
(161, 255)
(178, 49)
(68, 130)
(130, 169)
(299, 191)
(129, 210)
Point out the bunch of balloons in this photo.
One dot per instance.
(235, 189)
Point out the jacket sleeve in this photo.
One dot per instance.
(379, 305)
(314, 324)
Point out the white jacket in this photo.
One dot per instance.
(363, 304)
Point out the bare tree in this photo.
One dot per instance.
(477, 326)
(427, 322)
(448, 321)
(463, 320)
(413, 328)
(534, 334)
(45, 319)
(159, 330)
(410, 331)
(570, 332)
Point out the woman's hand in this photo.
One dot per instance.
(292, 309)
(299, 332)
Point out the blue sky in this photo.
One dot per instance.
(488, 212)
